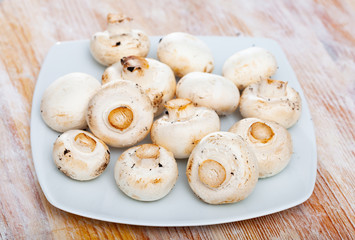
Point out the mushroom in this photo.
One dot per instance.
(209, 90)
(185, 53)
(120, 113)
(147, 172)
(80, 155)
(270, 142)
(271, 100)
(156, 78)
(183, 126)
(64, 102)
(118, 41)
(222, 169)
(249, 66)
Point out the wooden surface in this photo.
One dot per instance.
(319, 40)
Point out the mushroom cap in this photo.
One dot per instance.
(209, 90)
(64, 102)
(147, 172)
(222, 169)
(80, 155)
(156, 78)
(270, 142)
(185, 53)
(249, 66)
(183, 127)
(120, 113)
(118, 41)
(271, 100)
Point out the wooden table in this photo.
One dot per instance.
(319, 40)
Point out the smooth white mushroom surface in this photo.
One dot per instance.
(120, 113)
(209, 90)
(183, 126)
(118, 41)
(271, 100)
(270, 142)
(156, 78)
(147, 172)
(249, 66)
(185, 53)
(64, 102)
(80, 155)
(222, 169)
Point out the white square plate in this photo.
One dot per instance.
(101, 199)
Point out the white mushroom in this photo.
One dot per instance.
(156, 78)
(64, 102)
(80, 155)
(183, 126)
(222, 169)
(271, 100)
(185, 53)
(147, 172)
(120, 113)
(209, 90)
(270, 142)
(249, 66)
(118, 41)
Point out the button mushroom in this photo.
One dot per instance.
(222, 169)
(185, 53)
(271, 100)
(80, 155)
(249, 66)
(209, 90)
(120, 113)
(118, 41)
(64, 102)
(156, 78)
(270, 142)
(183, 126)
(147, 172)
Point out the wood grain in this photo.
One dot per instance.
(319, 40)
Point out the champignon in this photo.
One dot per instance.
(270, 142)
(183, 126)
(147, 172)
(222, 169)
(249, 66)
(64, 102)
(185, 53)
(209, 90)
(118, 41)
(156, 78)
(80, 155)
(271, 100)
(120, 113)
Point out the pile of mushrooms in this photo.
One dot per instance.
(222, 167)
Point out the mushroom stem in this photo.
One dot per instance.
(133, 66)
(211, 173)
(84, 142)
(120, 118)
(260, 132)
(118, 24)
(180, 109)
(148, 151)
(272, 88)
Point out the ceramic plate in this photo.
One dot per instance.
(101, 199)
